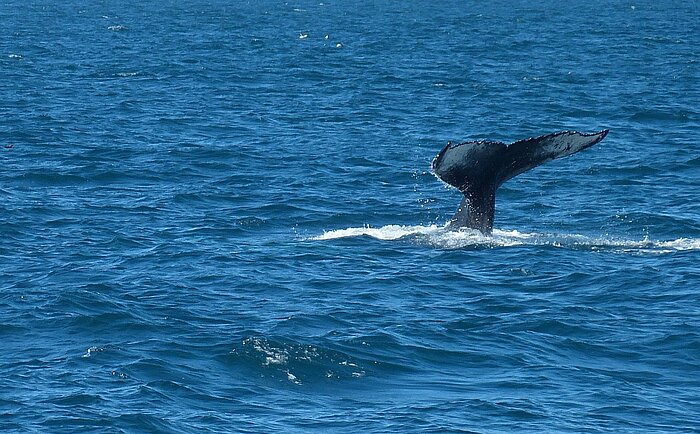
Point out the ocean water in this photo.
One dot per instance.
(219, 216)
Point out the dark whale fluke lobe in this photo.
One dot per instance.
(478, 168)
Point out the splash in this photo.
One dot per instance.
(295, 362)
(390, 232)
(441, 237)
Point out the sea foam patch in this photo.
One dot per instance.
(389, 232)
(441, 237)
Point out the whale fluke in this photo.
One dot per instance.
(478, 168)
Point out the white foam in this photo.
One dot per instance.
(293, 378)
(441, 237)
(390, 232)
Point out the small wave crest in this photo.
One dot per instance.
(295, 362)
(441, 237)
(389, 232)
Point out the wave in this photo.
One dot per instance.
(441, 237)
(295, 362)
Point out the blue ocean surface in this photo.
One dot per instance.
(219, 216)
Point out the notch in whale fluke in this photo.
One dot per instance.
(478, 168)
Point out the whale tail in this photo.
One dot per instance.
(478, 168)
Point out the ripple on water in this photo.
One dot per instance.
(297, 363)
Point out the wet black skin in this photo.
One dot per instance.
(477, 169)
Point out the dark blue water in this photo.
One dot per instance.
(219, 217)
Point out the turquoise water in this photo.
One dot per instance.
(219, 217)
